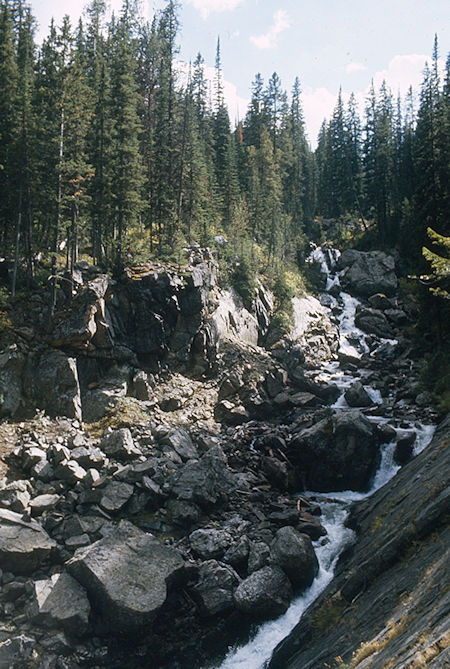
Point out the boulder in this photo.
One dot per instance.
(209, 543)
(205, 482)
(337, 453)
(43, 503)
(127, 575)
(115, 495)
(214, 590)
(55, 384)
(180, 441)
(24, 546)
(357, 396)
(61, 602)
(97, 402)
(374, 322)
(258, 556)
(367, 273)
(230, 414)
(404, 447)
(16, 651)
(294, 553)
(119, 444)
(264, 594)
(15, 496)
(12, 365)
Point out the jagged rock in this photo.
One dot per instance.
(357, 396)
(205, 482)
(258, 556)
(275, 382)
(304, 400)
(294, 553)
(43, 503)
(230, 414)
(180, 441)
(310, 525)
(385, 433)
(183, 512)
(77, 326)
(127, 575)
(404, 447)
(99, 401)
(55, 385)
(15, 496)
(88, 458)
(276, 472)
(24, 546)
(31, 455)
(14, 652)
(142, 389)
(237, 553)
(119, 444)
(214, 590)
(380, 301)
(337, 453)
(264, 594)
(115, 495)
(374, 322)
(368, 272)
(12, 364)
(233, 321)
(210, 543)
(70, 470)
(61, 602)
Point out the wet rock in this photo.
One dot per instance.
(337, 453)
(374, 322)
(127, 575)
(294, 553)
(24, 546)
(264, 594)
(119, 444)
(368, 272)
(357, 396)
(61, 602)
(404, 447)
(385, 433)
(214, 590)
(209, 543)
(380, 301)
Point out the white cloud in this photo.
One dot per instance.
(355, 67)
(206, 7)
(404, 71)
(318, 104)
(268, 40)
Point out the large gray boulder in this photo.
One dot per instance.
(209, 543)
(357, 396)
(127, 575)
(367, 273)
(119, 444)
(55, 384)
(205, 482)
(12, 363)
(214, 590)
(264, 594)
(340, 452)
(24, 546)
(61, 602)
(294, 553)
(374, 322)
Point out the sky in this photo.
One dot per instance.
(328, 44)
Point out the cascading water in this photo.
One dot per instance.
(257, 652)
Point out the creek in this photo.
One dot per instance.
(353, 342)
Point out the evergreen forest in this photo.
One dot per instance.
(110, 151)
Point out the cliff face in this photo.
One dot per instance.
(388, 605)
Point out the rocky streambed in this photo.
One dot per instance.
(158, 507)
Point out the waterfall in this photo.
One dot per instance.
(257, 652)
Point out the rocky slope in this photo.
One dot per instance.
(151, 513)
